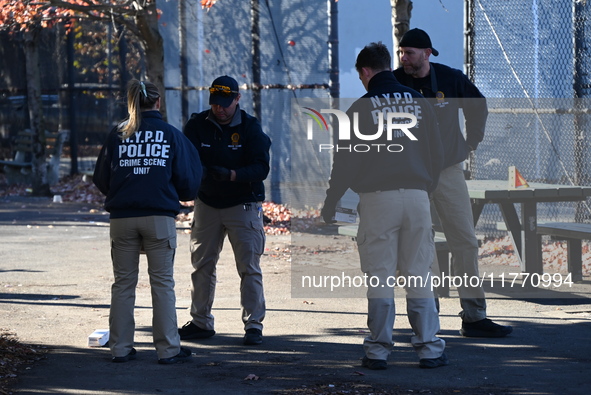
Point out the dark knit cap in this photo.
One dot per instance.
(417, 38)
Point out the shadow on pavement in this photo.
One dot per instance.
(536, 361)
(28, 210)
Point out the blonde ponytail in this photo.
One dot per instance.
(141, 96)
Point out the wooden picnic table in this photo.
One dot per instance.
(523, 231)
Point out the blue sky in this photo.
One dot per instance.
(361, 22)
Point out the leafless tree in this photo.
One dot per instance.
(401, 14)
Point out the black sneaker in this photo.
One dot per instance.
(253, 336)
(128, 357)
(191, 331)
(374, 364)
(181, 357)
(432, 363)
(484, 328)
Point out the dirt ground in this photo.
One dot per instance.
(56, 276)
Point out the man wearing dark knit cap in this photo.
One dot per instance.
(449, 90)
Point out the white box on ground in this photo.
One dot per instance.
(98, 338)
(344, 214)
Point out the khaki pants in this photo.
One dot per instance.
(245, 231)
(395, 233)
(156, 235)
(452, 203)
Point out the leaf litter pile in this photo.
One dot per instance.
(13, 357)
(364, 388)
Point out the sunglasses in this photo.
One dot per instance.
(222, 90)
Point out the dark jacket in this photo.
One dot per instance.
(416, 166)
(241, 146)
(455, 92)
(148, 173)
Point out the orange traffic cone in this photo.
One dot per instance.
(516, 180)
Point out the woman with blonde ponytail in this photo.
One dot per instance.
(145, 168)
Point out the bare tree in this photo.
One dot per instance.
(401, 14)
(140, 17)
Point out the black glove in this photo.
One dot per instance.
(219, 173)
(328, 212)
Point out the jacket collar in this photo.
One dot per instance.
(409, 81)
(236, 119)
(380, 78)
(152, 114)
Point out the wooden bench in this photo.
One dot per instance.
(19, 169)
(574, 233)
(441, 249)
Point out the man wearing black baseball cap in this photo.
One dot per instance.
(234, 153)
(223, 91)
(449, 90)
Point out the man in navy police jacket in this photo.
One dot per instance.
(449, 90)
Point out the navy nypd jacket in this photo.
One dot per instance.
(241, 146)
(148, 173)
(387, 163)
(449, 90)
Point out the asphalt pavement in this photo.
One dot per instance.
(55, 274)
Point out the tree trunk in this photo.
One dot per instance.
(401, 13)
(40, 184)
(152, 44)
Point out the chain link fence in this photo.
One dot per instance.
(531, 60)
(277, 51)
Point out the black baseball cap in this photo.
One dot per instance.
(417, 38)
(223, 91)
